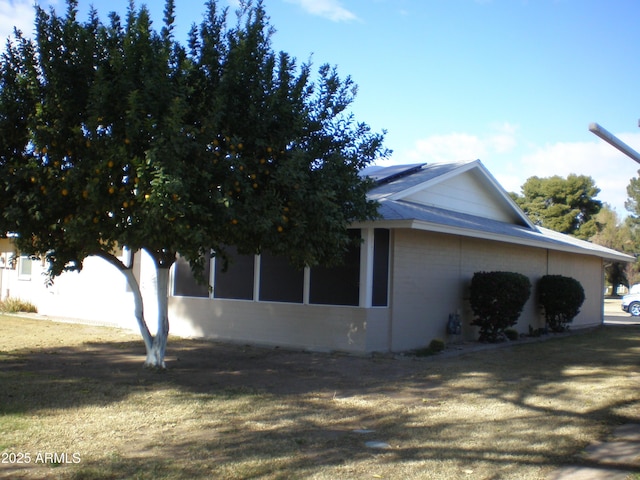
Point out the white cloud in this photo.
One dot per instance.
(504, 139)
(448, 148)
(16, 13)
(512, 161)
(331, 9)
(610, 169)
(464, 146)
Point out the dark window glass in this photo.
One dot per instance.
(237, 281)
(279, 281)
(185, 284)
(338, 285)
(380, 267)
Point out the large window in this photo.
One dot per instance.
(279, 281)
(380, 285)
(339, 285)
(237, 281)
(185, 284)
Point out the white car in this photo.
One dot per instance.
(631, 301)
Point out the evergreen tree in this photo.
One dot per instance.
(564, 205)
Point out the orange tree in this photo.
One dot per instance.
(114, 134)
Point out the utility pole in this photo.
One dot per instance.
(614, 141)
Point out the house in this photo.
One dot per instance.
(439, 224)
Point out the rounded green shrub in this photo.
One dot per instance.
(560, 298)
(511, 334)
(497, 300)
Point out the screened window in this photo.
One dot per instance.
(339, 285)
(279, 281)
(185, 284)
(237, 281)
(380, 267)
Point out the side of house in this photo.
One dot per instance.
(399, 284)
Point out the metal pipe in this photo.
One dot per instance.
(614, 141)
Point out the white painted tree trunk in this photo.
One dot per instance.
(155, 354)
(138, 307)
(154, 345)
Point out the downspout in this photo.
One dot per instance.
(602, 285)
(390, 287)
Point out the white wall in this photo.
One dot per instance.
(311, 327)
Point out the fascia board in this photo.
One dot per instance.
(496, 237)
(530, 242)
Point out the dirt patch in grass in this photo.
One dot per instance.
(79, 394)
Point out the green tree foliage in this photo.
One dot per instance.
(561, 298)
(497, 300)
(114, 134)
(564, 205)
(617, 235)
(632, 222)
(632, 204)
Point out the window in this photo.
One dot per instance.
(279, 281)
(24, 267)
(237, 281)
(185, 284)
(273, 279)
(380, 285)
(339, 285)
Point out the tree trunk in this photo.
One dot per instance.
(155, 354)
(138, 308)
(154, 345)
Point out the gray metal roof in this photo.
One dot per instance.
(407, 214)
(415, 177)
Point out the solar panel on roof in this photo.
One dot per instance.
(388, 174)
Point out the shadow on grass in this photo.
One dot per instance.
(300, 411)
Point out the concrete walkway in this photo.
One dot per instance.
(615, 459)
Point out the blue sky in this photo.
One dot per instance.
(514, 83)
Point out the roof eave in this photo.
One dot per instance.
(544, 243)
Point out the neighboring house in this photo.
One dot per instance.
(439, 224)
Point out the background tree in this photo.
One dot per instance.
(632, 224)
(615, 234)
(117, 135)
(564, 205)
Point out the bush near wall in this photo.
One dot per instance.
(560, 298)
(497, 300)
(16, 305)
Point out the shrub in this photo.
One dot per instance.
(436, 345)
(497, 300)
(560, 298)
(511, 334)
(14, 305)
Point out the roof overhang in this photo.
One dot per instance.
(540, 238)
